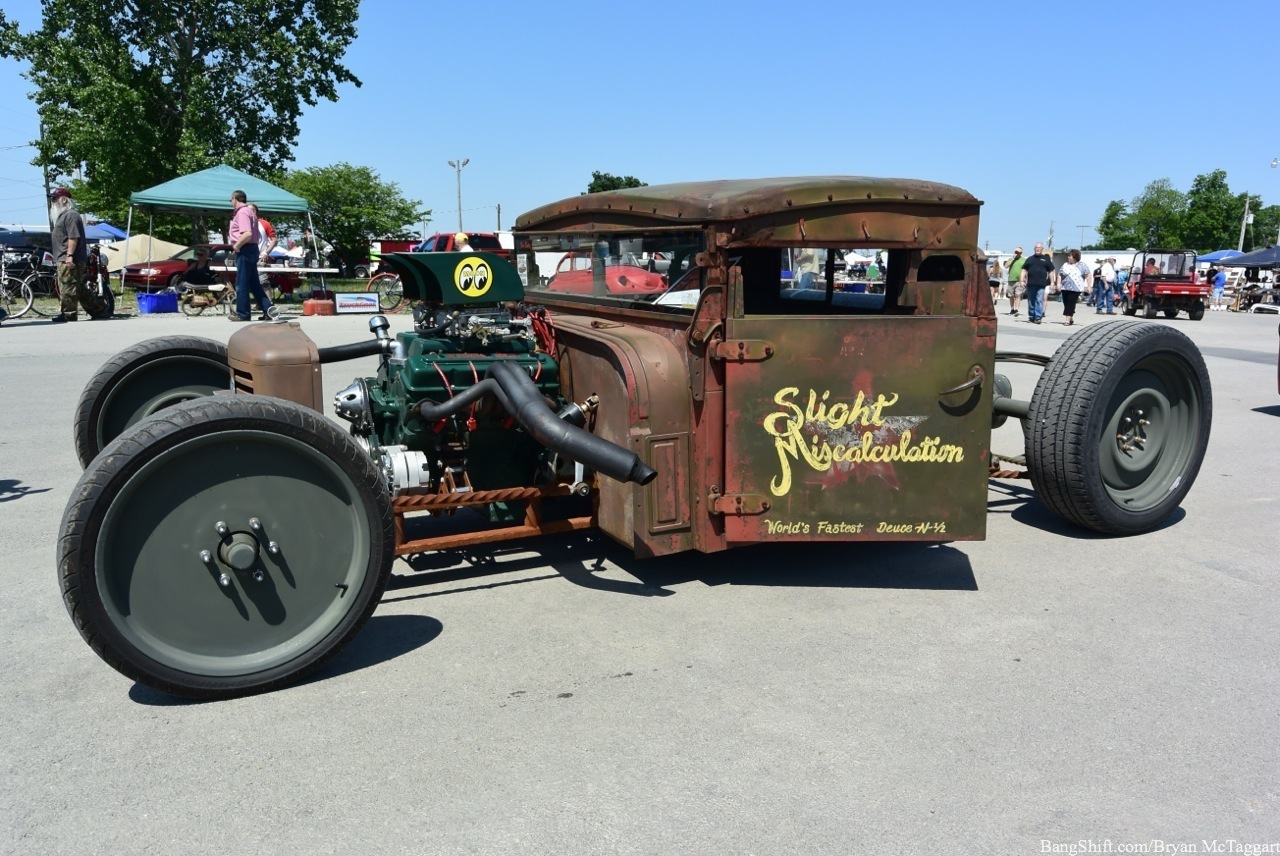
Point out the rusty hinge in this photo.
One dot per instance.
(742, 350)
(739, 504)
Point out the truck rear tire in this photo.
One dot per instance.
(1196, 312)
(1149, 309)
(1118, 426)
(185, 565)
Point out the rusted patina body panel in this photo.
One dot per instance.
(641, 378)
(832, 419)
(843, 433)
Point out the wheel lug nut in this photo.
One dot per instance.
(206, 556)
(255, 524)
(273, 548)
(224, 580)
(259, 576)
(221, 528)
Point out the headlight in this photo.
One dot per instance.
(149, 271)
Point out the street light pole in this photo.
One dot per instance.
(457, 166)
(1275, 162)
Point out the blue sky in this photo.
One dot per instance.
(1045, 112)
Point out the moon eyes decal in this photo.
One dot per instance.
(472, 277)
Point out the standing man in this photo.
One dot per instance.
(1108, 288)
(1037, 275)
(72, 255)
(243, 234)
(1219, 282)
(1016, 286)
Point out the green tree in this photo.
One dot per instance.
(1206, 225)
(1263, 232)
(1157, 215)
(1115, 229)
(140, 92)
(352, 205)
(602, 181)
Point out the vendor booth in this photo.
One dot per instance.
(209, 192)
(1256, 291)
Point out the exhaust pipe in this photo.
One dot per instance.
(512, 386)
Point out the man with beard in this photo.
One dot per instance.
(72, 256)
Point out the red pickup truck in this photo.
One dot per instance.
(442, 242)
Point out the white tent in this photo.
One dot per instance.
(141, 248)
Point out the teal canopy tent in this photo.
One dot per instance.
(209, 192)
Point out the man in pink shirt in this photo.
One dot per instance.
(243, 235)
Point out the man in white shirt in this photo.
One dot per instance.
(1108, 287)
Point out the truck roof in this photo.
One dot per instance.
(740, 199)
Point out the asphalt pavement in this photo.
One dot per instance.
(1045, 688)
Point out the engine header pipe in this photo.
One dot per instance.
(526, 404)
(512, 386)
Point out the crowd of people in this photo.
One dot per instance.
(1103, 288)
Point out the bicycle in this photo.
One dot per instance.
(15, 297)
(44, 285)
(390, 291)
(195, 299)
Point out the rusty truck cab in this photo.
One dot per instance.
(779, 398)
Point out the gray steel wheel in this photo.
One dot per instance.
(142, 380)
(1118, 426)
(186, 564)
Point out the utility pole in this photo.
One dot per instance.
(499, 216)
(1082, 227)
(1275, 162)
(44, 168)
(1244, 221)
(458, 165)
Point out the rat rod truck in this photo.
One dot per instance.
(730, 408)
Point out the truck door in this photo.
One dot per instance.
(839, 426)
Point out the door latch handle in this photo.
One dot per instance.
(976, 377)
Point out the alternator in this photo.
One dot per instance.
(403, 468)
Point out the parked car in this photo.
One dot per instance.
(442, 242)
(622, 275)
(167, 273)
